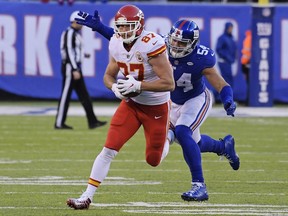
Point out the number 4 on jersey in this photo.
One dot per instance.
(185, 82)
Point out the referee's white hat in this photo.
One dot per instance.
(73, 16)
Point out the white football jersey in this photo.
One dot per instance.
(135, 62)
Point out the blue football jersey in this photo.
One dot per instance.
(187, 71)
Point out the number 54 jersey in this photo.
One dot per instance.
(136, 63)
(187, 72)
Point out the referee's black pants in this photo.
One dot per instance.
(68, 85)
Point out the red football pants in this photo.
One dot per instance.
(128, 118)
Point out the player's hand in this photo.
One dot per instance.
(89, 20)
(230, 107)
(129, 85)
(116, 92)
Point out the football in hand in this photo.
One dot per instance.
(132, 94)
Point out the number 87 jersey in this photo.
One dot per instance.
(187, 72)
(136, 63)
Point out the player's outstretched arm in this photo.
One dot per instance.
(223, 88)
(95, 24)
(226, 95)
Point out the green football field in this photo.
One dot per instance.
(41, 167)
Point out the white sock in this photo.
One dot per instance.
(171, 136)
(100, 169)
(165, 150)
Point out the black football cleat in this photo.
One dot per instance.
(64, 127)
(97, 124)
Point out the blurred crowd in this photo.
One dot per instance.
(158, 1)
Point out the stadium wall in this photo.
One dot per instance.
(30, 37)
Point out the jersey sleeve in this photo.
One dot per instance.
(157, 51)
(210, 59)
(155, 45)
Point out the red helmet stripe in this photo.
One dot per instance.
(182, 24)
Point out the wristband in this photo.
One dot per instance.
(226, 94)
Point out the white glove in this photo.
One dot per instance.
(116, 92)
(128, 86)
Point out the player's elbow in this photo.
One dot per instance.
(171, 85)
(168, 86)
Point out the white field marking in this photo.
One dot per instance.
(237, 210)
(222, 193)
(28, 208)
(209, 212)
(216, 160)
(177, 208)
(4, 161)
(264, 153)
(153, 193)
(193, 208)
(137, 170)
(185, 204)
(110, 110)
(58, 180)
(51, 193)
(177, 205)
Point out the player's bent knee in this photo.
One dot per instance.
(108, 153)
(153, 158)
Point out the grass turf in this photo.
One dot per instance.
(41, 167)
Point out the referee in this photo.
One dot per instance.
(72, 77)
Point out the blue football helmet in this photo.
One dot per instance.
(182, 38)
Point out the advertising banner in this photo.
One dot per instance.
(30, 43)
(261, 72)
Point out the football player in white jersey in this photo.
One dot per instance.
(191, 100)
(145, 92)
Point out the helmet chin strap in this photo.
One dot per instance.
(131, 39)
(181, 54)
(174, 54)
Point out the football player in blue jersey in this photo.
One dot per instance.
(191, 100)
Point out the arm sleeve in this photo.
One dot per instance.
(226, 94)
(210, 59)
(105, 31)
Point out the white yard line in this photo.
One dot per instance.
(109, 111)
(182, 208)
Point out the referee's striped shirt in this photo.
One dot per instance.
(70, 46)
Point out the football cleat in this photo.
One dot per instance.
(97, 124)
(81, 203)
(64, 126)
(230, 153)
(198, 192)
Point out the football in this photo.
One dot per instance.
(132, 94)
